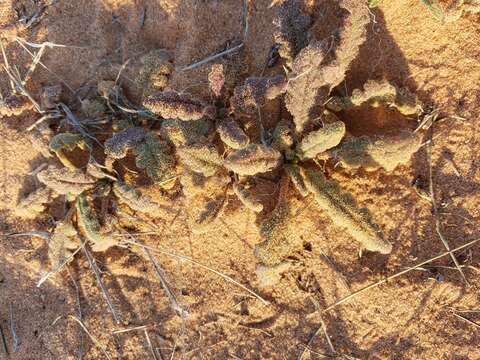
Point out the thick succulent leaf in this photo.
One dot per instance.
(138, 201)
(372, 153)
(321, 140)
(67, 141)
(253, 159)
(181, 133)
(34, 203)
(232, 134)
(343, 211)
(317, 69)
(201, 158)
(64, 181)
(90, 227)
(296, 177)
(277, 231)
(174, 105)
(119, 144)
(61, 244)
(153, 155)
(246, 197)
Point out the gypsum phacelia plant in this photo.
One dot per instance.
(203, 150)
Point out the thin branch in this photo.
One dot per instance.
(16, 340)
(149, 342)
(60, 266)
(186, 258)
(391, 277)
(438, 226)
(96, 271)
(94, 340)
(211, 58)
(467, 320)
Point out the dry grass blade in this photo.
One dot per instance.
(467, 320)
(186, 258)
(60, 266)
(400, 273)
(211, 58)
(16, 340)
(94, 340)
(96, 271)
(149, 342)
(436, 214)
(166, 286)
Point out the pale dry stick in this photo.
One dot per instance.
(33, 65)
(400, 273)
(60, 266)
(19, 87)
(16, 340)
(149, 342)
(46, 68)
(136, 328)
(186, 258)
(471, 322)
(166, 286)
(96, 271)
(80, 315)
(94, 340)
(40, 234)
(43, 118)
(211, 58)
(436, 215)
(310, 341)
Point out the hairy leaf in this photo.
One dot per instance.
(88, 223)
(64, 181)
(344, 212)
(232, 135)
(253, 159)
(321, 140)
(201, 158)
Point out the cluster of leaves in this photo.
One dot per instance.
(204, 152)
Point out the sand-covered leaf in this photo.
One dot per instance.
(321, 140)
(153, 155)
(372, 153)
(245, 195)
(119, 144)
(277, 231)
(136, 200)
(174, 105)
(291, 29)
(34, 203)
(317, 68)
(283, 136)
(293, 171)
(90, 226)
(255, 92)
(232, 134)
(61, 243)
(67, 142)
(65, 181)
(254, 159)
(201, 158)
(344, 212)
(181, 133)
(376, 93)
(155, 71)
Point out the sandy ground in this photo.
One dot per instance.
(410, 317)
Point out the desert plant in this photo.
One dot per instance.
(204, 152)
